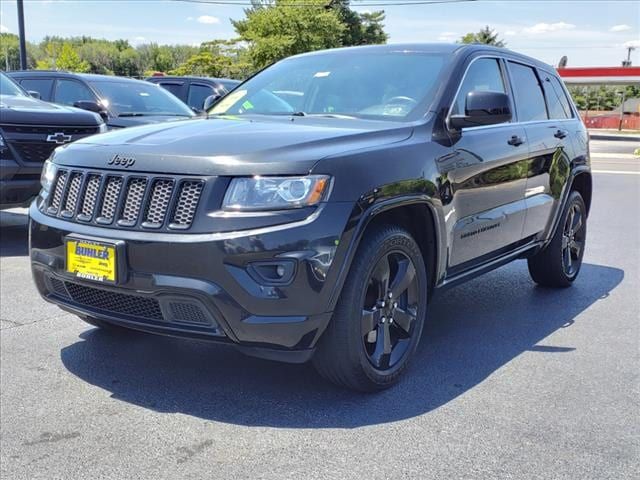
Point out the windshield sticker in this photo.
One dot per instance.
(227, 102)
(247, 105)
(322, 74)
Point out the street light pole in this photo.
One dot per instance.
(23, 42)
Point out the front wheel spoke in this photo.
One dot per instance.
(577, 224)
(576, 247)
(403, 319)
(382, 352)
(404, 277)
(572, 215)
(370, 320)
(381, 274)
(566, 258)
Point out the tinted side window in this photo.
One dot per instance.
(197, 94)
(40, 85)
(70, 91)
(175, 88)
(483, 74)
(556, 98)
(529, 97)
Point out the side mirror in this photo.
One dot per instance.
(210, 101)
(34, 94)
(91, 106)
(483, 108)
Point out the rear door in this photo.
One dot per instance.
(546, 118)
(485, 177)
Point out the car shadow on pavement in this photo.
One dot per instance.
(14, 234)
(472, 331)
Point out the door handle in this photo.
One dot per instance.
(560, 133)
(515, 140)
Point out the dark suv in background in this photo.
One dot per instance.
(30, 130)
(321, 230)
(194, 91)
(122, 102)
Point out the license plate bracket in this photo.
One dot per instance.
(97, 260)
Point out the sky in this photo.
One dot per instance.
(588, 32)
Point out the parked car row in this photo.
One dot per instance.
(41, 110)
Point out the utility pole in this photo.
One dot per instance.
(23, 42)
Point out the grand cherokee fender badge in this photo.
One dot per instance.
(122, 161)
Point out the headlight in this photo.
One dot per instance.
(48, 175)
(3, 146)
(275, 193)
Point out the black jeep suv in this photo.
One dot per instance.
(29, 131)
(321, 232)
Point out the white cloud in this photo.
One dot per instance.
(190, 18)
(208, 19)
(510, 33)
(620, 28)
(632, 44)
(448, 37)
(4, 29)
(549, 27)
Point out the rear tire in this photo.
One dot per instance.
(558, 264)
(372, 335)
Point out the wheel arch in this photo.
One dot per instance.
(583, 184)
(418, 216)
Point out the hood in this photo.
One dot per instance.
(16, 109)
(232, 146)
(125, 122)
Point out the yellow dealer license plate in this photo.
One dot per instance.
(91, 260)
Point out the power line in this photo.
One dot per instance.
(365, 3)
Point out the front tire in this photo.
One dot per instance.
(379, 318)
(558, 264)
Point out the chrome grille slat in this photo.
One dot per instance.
(58, 191)
(91, 191)
(133, 201)
(125, 200)
(71, 200)
(185, 208)
(109, 199)
(158, 204)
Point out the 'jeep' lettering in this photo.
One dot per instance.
(122, 161)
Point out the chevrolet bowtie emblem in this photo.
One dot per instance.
(59, 138)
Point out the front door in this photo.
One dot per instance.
(485, 175)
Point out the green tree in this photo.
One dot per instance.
(204, 64)
(486, 36)
(70, 60)
(279, 29)
(10, 52)
(359, 28)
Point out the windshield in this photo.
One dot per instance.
(139, 99)
(7, 87)
(378, 85)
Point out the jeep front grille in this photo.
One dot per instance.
(120, 200)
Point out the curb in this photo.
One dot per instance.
(613, 137)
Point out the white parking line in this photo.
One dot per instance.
(616, 172)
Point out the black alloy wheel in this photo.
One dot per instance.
(390, 310)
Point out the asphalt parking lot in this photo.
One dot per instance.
(510, 381)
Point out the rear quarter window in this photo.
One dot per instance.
(557, 101)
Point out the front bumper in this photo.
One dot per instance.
(206, 286)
